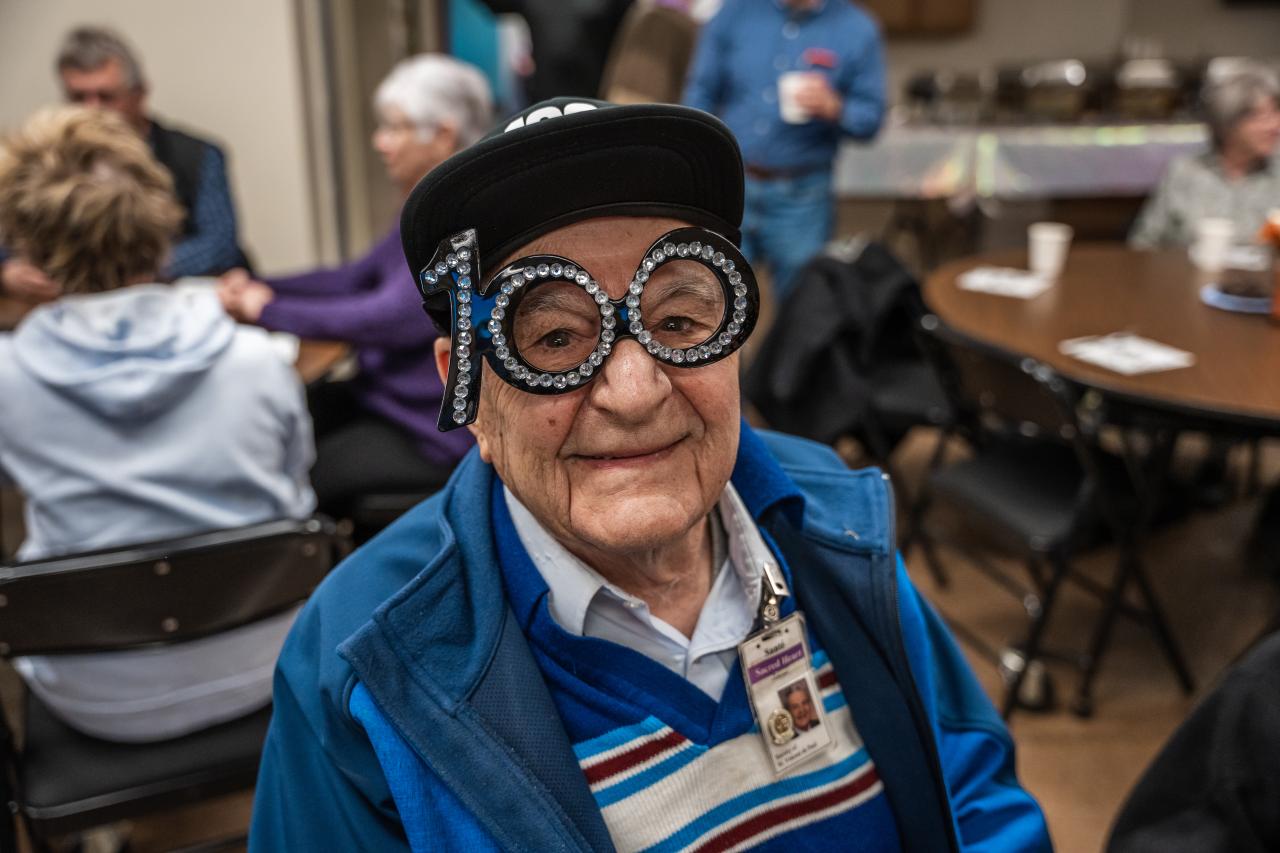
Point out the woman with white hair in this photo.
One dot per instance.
(1237, 179)
(377, 432)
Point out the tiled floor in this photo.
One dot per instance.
(1079, 769)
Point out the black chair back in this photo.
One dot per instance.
(1000, 393)
(163, 592)
(63, 781)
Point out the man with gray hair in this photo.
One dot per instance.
(1237, 179)
(98, 69)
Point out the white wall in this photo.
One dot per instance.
(229, 69)
(1193, 28)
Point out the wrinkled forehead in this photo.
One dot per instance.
(610, 247)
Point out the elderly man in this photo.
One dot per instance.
(97, 69)
(582, 642)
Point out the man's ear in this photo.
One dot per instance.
(443, 346)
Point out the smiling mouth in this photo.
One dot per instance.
(627, 458)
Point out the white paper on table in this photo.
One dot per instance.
(1127, 353)
(1004, 281)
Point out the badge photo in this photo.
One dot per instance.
(784, 694)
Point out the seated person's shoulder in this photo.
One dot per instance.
(1185, 167)
(184, 138)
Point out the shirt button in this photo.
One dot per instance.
(780, 64)
(633, 605)
(790, 29)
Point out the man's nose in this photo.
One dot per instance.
(631, 384)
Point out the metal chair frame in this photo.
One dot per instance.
(996, 395)
(176, 590)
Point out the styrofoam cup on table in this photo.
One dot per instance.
(1047, 246)
(1214, 238)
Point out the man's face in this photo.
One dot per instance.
(633, 460)
(800, 706)
(107, 87)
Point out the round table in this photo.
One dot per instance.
(1109, 288)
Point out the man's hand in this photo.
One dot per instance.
(816, 97)
(25, 281)
(242, 297)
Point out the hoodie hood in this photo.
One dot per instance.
(128, 353)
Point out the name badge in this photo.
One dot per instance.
(784, 693)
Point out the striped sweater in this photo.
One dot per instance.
(672, 769)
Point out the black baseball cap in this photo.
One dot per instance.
(568, 159)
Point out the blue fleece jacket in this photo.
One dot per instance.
(410, 712)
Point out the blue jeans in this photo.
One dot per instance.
(785, 223)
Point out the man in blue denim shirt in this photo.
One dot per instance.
(743, 51)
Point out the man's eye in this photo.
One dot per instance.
(676, 324)
(557, 339)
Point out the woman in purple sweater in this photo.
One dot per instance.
(377, 432)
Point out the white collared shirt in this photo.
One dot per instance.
(583, 603)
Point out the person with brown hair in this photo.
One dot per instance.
(145, 414)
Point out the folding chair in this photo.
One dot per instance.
(60, 780)
(1038, 482)
(840, 359)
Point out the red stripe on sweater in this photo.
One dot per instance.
(827, 679)
(767, 820)
(632, 757)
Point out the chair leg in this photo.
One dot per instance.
(1035, 633)
(1164, 635)
(1253, 479)
(1083, 704)
(1036, 574)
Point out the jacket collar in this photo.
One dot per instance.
(761, 482)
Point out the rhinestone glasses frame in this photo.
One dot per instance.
(481, 317)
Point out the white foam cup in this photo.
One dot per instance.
(1047, 245)
(788, 83)
(1212, 248)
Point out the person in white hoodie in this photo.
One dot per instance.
(135, 411)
